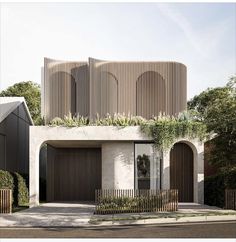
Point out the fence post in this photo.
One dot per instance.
(5, 201)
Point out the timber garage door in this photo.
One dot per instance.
(73, 174)
(181, 171)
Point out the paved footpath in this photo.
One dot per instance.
(77, 215)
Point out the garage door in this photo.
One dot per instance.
(73, 174)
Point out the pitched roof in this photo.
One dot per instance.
(9, 104)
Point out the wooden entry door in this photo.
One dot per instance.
(73, 174)
(181, 171)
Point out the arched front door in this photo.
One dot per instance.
(181, 171)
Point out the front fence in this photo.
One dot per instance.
(5, 200)
(230, 199)
(109, 201)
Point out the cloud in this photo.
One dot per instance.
(183, 23)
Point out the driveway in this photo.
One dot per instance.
(50, 215)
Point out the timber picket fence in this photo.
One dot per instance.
(110, 201)
(230, 199)
(5, 200)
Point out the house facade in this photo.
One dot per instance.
(15, 120)
(82, 159)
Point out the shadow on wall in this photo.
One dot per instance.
(81, 77)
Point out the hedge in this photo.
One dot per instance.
(19, 184)
(214, 187)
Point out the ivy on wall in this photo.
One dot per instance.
(164, 130)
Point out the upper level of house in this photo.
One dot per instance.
(99, 87)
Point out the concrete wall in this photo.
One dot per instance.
(198, 169)
(117, 155)
(118, 165)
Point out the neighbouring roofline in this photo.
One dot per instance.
(11, 104)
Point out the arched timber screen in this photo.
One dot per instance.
(62, 94)
(109, 94)
(181, 171)
(150, 94)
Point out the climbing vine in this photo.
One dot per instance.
(164, 130)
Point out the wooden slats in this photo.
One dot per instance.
(73, 174)
(230, 199)
(5, 201)
(110, 201)
(97, 87)
(181, 171)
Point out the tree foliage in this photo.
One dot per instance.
(31, 92)
(216, 107)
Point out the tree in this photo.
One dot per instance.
(31, 92)
(217, 109)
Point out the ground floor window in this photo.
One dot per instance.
(148, 166)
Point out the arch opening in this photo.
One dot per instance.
(182, 171)
(62, 94)
(108, 94)
(150, 94)
(69, 170)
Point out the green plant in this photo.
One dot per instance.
(143, 163)
(70, 121)
(18, 184)
(6, 180)
(119, 120)
(214, 186)
(31, 92)
(21, 191)
(165, 130)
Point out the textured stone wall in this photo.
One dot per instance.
(118, 165)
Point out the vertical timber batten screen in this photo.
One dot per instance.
(230, 199)
(5, 201)
(109, 201)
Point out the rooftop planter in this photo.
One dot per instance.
(164, 130)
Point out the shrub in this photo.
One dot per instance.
(163, 129)
(18, 183)
(21, 190)
(214, 187)
(6, 181)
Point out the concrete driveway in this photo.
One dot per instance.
(50, 215)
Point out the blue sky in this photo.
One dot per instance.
(200, 35)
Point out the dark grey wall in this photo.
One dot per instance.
(14, 141)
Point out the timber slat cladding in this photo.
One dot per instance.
(5, 201)
(181, 171)
(111, 201)
(73, 174)
(101, 87)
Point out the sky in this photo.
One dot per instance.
(200, 35)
